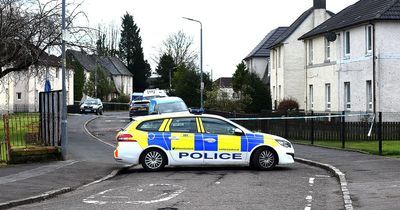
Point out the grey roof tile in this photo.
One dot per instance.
(261, 49)
(362, 11)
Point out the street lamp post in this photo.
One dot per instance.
(201, 60)
(64, 139)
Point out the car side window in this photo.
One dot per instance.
(183, 125)
(153, 125)
(217, 126)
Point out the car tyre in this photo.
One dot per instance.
(264, 159)
(101, 112)
(153, 160)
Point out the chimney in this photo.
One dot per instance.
(319, 4)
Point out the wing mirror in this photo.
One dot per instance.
(238, 132)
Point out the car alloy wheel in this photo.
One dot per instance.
(153, 160)
(264, 159)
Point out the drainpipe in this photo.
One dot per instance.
(306, 74)
(374, 66)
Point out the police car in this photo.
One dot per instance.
(180, 139)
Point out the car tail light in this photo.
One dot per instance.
(125, 137)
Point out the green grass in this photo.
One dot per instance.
(20, 124)
(389, 148)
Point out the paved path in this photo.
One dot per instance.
(373, 181)
(89, 160)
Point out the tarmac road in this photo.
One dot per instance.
(291, 187)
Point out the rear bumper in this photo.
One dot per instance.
(138, 113)
(128, 153)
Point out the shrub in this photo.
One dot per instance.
(288, 105)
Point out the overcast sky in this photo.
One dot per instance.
(231, 28)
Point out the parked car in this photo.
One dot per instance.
(167, 105)
(92, 105)
(179, 139)
(139, 108)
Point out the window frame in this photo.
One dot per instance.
(347, 96)
(148, 121)
(310, 52)
(347, 43)
(226, 122)
(368, 39)
(328, 96)
(196, 130)
(369, 95)
(311, 96)
(327, 50)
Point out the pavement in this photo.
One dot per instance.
(373, 182)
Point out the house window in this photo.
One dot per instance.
(279, 57)
(280, 89)
(347, 95)
(328, 96)
(368, 39)
(369, 95)
(311, 92)
(274, 59)
(327, 50)
(310, 52)
(347, 43)
(273, 93)
(19, 96)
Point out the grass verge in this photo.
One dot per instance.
(389, 148)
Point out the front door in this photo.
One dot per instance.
(186, 142)
(221, 145)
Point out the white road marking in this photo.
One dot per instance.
(309, 197)
(35, 172)
(311, 181)
(97, 198)
(90, 134)
(217, 182)
(323, 176)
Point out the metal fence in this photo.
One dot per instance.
(4, 145)
(377, 134)
(50, 107)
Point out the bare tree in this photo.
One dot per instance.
(179, 46)
(107, 40)
(30, 27)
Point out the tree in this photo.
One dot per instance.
(131, 52)
(30, 27)
(79, 79)
(179, 46)
(186, 83)
(165, 67)
(251, 87)
(107, 40)
(99, 80)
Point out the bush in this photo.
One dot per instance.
(289, 106)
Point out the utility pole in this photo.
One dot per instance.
(64, 138)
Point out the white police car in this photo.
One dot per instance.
(186, 139)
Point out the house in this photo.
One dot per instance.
(225, 89)
(20, 90)
(354, 59)
(259, 58)
(288, 59)
(117, 70)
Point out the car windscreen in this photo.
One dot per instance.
(90, 102)
(179, 106)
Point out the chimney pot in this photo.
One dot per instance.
(319, 4)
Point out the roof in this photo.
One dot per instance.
(112, 65)
(292, 28)
(224, 82)
(361, 12)
(49, 60)
(261, 49)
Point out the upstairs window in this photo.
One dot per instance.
(368, 39)
(310, 52)
(327, 50)
(347, 43)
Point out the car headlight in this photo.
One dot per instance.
(284, 143)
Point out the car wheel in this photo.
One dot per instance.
(264, 159)
(153, 160)
(101, 112)
(97, 112)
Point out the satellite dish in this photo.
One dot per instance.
(330, 36)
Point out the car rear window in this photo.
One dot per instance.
(153, 125)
